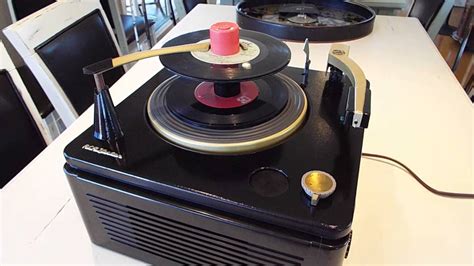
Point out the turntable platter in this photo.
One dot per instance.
(274, 116)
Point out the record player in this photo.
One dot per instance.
(225, 157)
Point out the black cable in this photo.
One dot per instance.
(417, 178)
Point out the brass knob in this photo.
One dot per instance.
(318, 185)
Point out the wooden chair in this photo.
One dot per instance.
(56, 42)
(23, 133)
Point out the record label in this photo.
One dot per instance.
(205, 94)
(264, 55)
(248, 52)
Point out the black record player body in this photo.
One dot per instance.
(162, 204)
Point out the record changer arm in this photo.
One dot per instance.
(110, 63)
(106, 124)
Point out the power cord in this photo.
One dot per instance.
(419, 180)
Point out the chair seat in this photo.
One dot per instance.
(127, 22)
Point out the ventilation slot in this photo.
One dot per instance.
(180, 242)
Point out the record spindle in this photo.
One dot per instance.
(225, 40)
(230, 89)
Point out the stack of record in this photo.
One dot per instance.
(231, 104)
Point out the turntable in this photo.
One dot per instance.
(226, 157)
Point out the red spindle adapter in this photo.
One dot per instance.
(224, 38)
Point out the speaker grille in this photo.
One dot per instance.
(180, 242)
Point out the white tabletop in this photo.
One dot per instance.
(420, 115)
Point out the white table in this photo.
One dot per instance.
(420, 115)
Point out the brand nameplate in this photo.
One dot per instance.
(102, 151)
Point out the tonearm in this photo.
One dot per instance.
(358, 99)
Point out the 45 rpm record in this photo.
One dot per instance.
(181, 101)
(227, 141)
(273, 56)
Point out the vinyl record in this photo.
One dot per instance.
(182, 102)
(271, 56)
(228, 141)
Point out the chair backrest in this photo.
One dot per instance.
(56, 42)
(19, 9)
(23, 135)
(7, 64)
(40, 99)
(425, 10)
(22, 8)
(85, 42)
(108, 12)
(190, 4)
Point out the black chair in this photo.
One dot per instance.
(425, 11)
(20, 139)
(190, 4)
(467, 44)
(23, 8)
(447, 29)
(463, 34)
(85, 42)
(127, 22)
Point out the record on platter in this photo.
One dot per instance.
(183, 121)
(181, 101)
(260, 55)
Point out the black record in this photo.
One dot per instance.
(235, 140)
(274, 56)
(181, 101)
